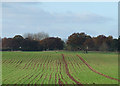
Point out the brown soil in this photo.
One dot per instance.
(68, 73)
(95, 70)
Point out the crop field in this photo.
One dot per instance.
(59, 67)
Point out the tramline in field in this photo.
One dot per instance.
(59, 68)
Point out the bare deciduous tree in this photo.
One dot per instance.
(36, 36)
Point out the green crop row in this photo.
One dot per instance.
(50, 68)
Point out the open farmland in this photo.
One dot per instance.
(59, 67)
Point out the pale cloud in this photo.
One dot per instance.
(30, 17)
(22, 13)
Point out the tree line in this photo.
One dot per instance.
(75, 42)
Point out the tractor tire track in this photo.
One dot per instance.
(62, 75)
(68, 73)
(95, 70)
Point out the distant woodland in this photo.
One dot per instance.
(75, 42)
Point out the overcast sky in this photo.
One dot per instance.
(60, 19)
